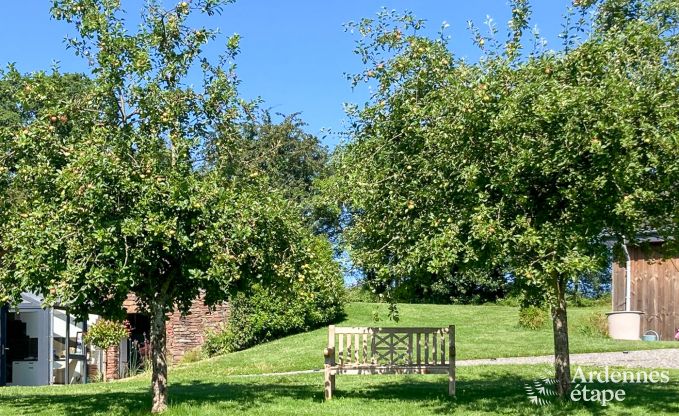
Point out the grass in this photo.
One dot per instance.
(213, 387)
(481, 332)
(482, 390)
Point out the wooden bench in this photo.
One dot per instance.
(368, 350)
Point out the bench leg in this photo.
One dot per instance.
(329, 384)
(451, 384)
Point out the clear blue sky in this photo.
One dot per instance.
(294, 53)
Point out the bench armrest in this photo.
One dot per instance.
(329, 354)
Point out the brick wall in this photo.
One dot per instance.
(130, 304)
(187, 333)
(112, 360)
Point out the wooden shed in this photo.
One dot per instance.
(653, 289)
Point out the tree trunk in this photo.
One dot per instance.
(158, 358)
(562, 361)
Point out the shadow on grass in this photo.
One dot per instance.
(491, 392)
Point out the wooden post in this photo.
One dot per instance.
(329, 354)
(451, 360)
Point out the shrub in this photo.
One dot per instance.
(603, 300)
(588, 302)
(192, 356)
(594, 325)
(216, 342)
(105, 334)
(97, 377)
(360, 293)
(140, 357)
(532, 317)
(262, 313)
(510, 300)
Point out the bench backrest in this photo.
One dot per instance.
(349, 346)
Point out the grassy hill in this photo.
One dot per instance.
(216, 387)
(481, 332)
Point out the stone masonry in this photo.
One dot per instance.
(187, 333)
(111, 368)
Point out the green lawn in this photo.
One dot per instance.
(481, 391)
(212, 387)
(481, 332)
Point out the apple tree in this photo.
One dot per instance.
(120, 188)
(528, 160)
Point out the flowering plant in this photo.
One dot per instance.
(105, 334)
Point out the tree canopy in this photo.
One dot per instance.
(526, 161)
(288, 156)
(122, 187)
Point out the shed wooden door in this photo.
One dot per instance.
(655, 288)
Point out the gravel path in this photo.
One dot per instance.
(662, 358)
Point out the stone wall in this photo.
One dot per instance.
(187, 333)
